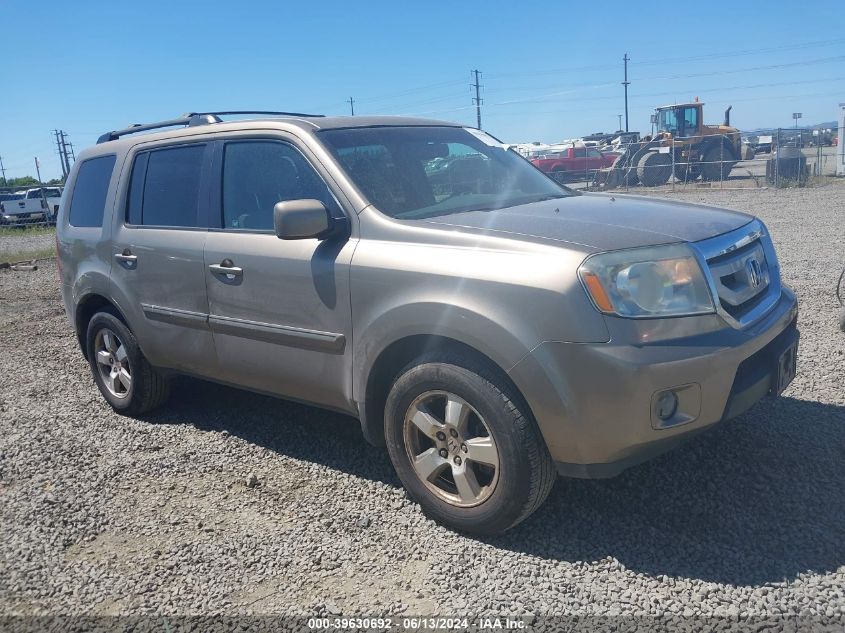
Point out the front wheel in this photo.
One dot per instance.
(464, 446)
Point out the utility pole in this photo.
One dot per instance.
(62, 156)
(66, 165)
(352, 105)
(3, 170)
(477, 99)
(625, 83)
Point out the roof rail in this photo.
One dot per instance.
(191, 119)
(270, 112)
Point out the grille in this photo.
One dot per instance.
(743, 273)
(741, 278)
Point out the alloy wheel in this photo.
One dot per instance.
(113, 363)
(451, 448)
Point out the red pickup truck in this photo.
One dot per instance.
(573, 163)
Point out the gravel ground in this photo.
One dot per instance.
(231, 503)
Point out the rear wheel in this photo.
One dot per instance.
(716, 163)
(686, 172)
(464, 446)
(124, 377)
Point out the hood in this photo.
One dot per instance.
(601, 221)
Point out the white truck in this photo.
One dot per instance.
(31, 206)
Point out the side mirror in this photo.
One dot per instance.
(301, 220)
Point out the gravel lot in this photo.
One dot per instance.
(101, 514)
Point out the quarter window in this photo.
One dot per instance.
(164, 188)
(258, 174)
(88, 200)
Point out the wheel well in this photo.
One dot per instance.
(87, 308)
(395, 357)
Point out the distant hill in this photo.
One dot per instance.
(825, 124)
(769, 130)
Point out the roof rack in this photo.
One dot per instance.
(191, 119)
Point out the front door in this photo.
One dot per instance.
(157, 271)
(279, 309)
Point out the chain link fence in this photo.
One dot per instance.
(784, 158)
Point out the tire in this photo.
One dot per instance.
(717, 162)
(686, 173)
(508, 492)
(146, 387)
(629, 177)
(559, 175)
(654, 169)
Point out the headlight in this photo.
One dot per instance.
(647, 282)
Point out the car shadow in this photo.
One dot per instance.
(756, 500)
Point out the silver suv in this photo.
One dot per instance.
(491, 327)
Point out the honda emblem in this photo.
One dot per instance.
(753, 272)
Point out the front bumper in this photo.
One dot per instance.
(594, 402)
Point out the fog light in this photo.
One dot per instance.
(666, 405)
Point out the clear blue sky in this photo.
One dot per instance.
(550, 70)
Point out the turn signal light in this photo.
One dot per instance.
(597, 292)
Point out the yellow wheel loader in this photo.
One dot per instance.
(682, 145)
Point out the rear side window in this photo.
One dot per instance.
(89, 193)
(164, 188)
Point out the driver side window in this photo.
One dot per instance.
(258, 174)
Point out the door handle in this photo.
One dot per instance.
(126, 258)
(226, 267)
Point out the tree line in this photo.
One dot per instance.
(27, 181)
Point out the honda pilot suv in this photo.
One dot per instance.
(491, 327)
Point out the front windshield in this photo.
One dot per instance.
(678, 121)
(418, 172)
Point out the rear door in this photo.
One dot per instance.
(158, 272)
(281, 318)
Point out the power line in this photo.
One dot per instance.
(809, 62)
(593, 109)
(741, 53)
(400, 108)
(403, 93)
(699, 90)
(672, 60)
